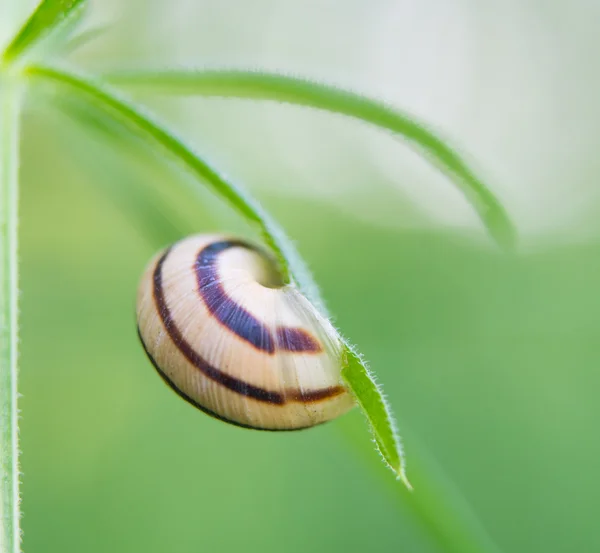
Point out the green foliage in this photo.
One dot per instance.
(373, 404)
(49, 17)
(109, 107)
(281, 88)
(368, 395)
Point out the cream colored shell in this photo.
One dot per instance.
(224, 333)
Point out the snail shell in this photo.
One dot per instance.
(224, 332)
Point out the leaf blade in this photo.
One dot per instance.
(49, 16)
(299, 91)
(374, 406)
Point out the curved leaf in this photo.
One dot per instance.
(48, 18)
(356, 374)
(282, 88)
(372, 401)
(436, 506)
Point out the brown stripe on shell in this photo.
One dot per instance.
(314, 396)
(231, 383)
(233, 316)
(296, 340)
(204, 409)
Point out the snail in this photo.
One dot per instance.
(226, 334)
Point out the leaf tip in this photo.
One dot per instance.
(503, 230)
(401, 475)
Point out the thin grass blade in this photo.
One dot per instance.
(293, 90)
(372, 401)
(47, 19)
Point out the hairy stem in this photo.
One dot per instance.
(10, 536)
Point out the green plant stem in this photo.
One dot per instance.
(293, 90)
(10, 536)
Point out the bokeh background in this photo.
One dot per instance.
(489, 361)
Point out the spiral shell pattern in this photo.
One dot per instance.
(226, 335)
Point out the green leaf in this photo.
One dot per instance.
(281, 88)
(433, 504)
(49, 17)
(292, 265)
(355, 374)
(371, 400)
(10, 535)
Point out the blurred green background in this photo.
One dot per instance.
(489, 361)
